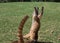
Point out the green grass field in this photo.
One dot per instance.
(12, 13)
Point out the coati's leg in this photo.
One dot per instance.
(41, 13)
(35, 14)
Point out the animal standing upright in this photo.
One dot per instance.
(32, 36)
(36, 17)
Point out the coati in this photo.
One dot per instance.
(33, 34)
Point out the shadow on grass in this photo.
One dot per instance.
(33, 42)
(44, 42)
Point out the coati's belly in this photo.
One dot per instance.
(34, 31)
(35, 26)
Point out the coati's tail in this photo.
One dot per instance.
(20, 28)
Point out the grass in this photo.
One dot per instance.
(12, 13)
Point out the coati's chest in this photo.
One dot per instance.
(35, 26)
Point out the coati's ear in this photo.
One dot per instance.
(41, 13)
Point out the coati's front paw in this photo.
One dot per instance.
(26, 36)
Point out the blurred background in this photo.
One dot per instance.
(29, 1)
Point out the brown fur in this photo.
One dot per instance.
(20, 28)
(33, 34)
(20, 35)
